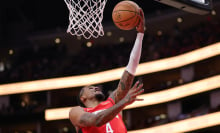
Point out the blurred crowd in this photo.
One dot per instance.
(53, 61)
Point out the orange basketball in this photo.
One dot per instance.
(125, 15)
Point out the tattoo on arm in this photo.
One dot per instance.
(102, 117)
(108, 114)
(123, 87)
(86, 120)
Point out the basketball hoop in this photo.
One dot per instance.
(85, 17)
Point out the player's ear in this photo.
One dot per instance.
(83, 99)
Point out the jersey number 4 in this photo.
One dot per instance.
(108, 128)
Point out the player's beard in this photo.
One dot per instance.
(100, 97)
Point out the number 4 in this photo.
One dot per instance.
(108, 128)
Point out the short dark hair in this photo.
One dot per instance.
(81, 104)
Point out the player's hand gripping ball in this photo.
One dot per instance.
(126, 15)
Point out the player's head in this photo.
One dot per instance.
(90, 93)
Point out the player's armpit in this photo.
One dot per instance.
(80, 118)
(123, 87)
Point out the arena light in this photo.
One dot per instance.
(177, 92)
(10, 51)
(153, 98)
(187, 125)
(110, 75)
(57, 114)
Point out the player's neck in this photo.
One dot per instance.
(92, 104)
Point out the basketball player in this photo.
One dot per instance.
(100, 116)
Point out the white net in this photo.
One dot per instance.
(85, 17)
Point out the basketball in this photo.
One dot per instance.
(125, 15)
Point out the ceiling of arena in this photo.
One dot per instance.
(48, 14)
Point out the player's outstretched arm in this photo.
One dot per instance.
(80, 118)
(128, 75)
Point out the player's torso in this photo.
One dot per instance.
(116, 125)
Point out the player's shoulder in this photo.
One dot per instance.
(76, 110)
(75, 114)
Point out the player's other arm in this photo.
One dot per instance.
(80, 118)
(128, 75)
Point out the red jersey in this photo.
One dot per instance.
(116, 125)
